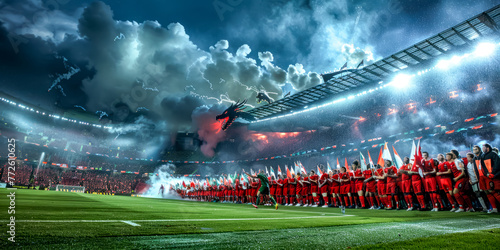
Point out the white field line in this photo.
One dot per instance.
(131, 223)
(165, 220)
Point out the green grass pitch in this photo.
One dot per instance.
(57, 220)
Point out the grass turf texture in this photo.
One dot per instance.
(74, 220)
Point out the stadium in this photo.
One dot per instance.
(352, 124)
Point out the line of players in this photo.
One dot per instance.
(449, 181)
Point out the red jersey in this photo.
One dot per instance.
(306, 185)
(405, 167)
(324, 177)
(392, 170)
(358, 173)
(428, 166)
(313, 178)
(285, 183)
(290, 184)
(443, 167)
(455, 170)
(334, 183)
(345, 176)
(380, 172)
(367, 174)
(415, 177)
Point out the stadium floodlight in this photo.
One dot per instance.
(484, 49)
(401, 81)
(443, 64)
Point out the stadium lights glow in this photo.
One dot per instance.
(50, 115)
(401, 81)
(484, 49)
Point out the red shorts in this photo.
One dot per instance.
(381, 188)
(279, 191)
(461, 184)
(406, 186)
(486, 183)
(353, 187)
(305, 191)
(242, 192)
(272, 191)
(323, 189)
(298, 190)
(438, 181)
(371, 187)
(430, 184)
(336, 189)
(359, 186)
(285, 191)
(390, 188)
(291, 191)
(446, 184)
(399, 184)
(344, 189)
(314, 189)
(417, 186)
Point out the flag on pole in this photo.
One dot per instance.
(399, 163)
(302, 168)
(344, 67)
(319, 171)
(297, 168)
(279, 170)
(419, 149)
(267, 173)
(347, 166)
(386, 155)
(288, 174)
(363, 162)
(370, 159)
(413, 151)
(360, 64)
(329, 169)
(418, 163)
(251, 172)
(380, 160)
(292, 172)
(183, 184)
(338, 164)
(272, 172)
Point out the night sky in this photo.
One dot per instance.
(172, 57)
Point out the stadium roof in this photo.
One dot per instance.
(464, 34)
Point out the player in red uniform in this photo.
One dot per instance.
(279, 189)
(285, 190)
(292, 183)
(323, 187)
(359, 181)
(391, 174)
(416, 182)
(298, 189)
(370, 186)
(345, 187)
(306, 190)
(406, 183)
(429, 172)
(272, 189)
(458, 179)
(313, 179)
(444, 176)
(335, 186)
(459, 163)
(381, 186)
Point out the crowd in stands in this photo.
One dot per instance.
(20, 174)
(93, 181)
